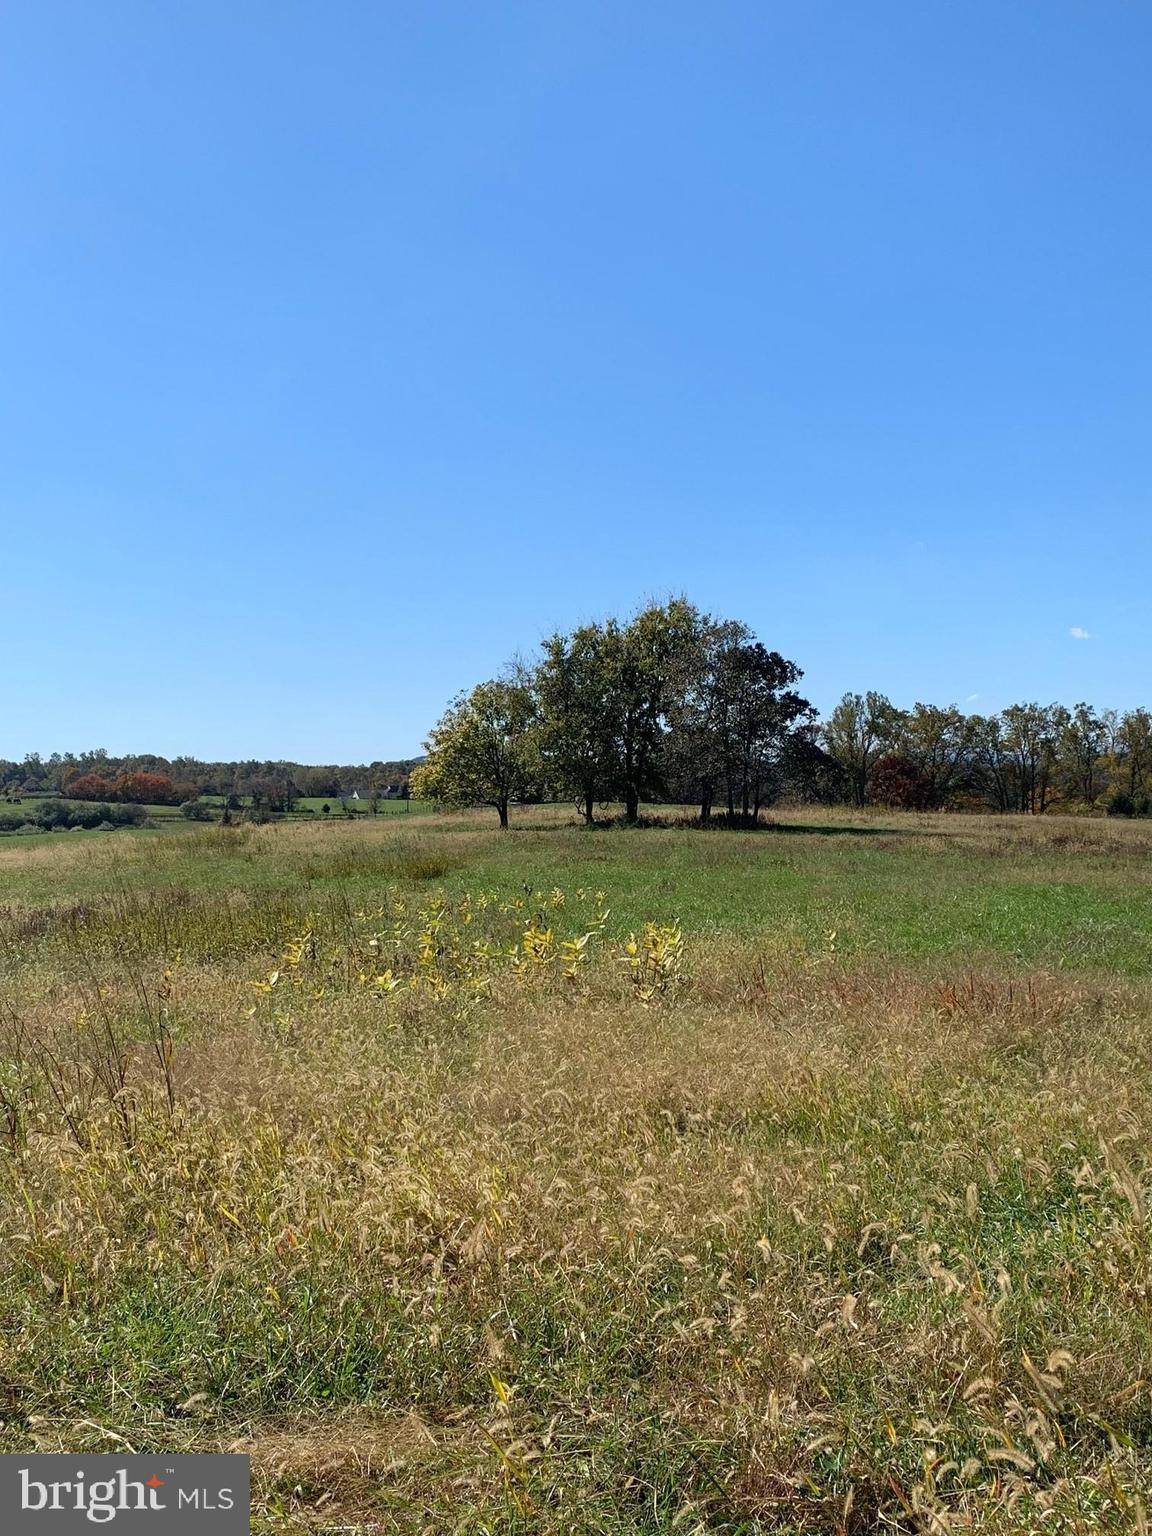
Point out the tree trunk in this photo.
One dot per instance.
(588, 806)
(631, 805)
(502, 812)
(706, 804)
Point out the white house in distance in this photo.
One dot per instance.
(389, 792)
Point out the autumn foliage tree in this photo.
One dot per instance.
(145, 789)
(89, 786)
(136, 788)
(899, 783)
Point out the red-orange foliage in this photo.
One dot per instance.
(145, 789)
(89, 786)
(897, 781)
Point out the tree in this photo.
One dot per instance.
(484, 750)
(992, 762)
(732, 717)
(319, 782)
(144, 789)
(1029, 735)
(1134, 750)
(1081, 740)
(273, 793)
(578, 717)
(899, 782)
(89, 786)
(34, 773)
(806, 771)
(644, 663)
(762, 711)
(859, 730)
(938, 743)
(699, 748)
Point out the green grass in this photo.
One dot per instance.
(909, 894)
(336, 806)
(951, 887)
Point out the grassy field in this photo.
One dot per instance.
(313, 805)
(316, 804)
(611, 1181)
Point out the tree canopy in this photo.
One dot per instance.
(627, 711)
(484, 750)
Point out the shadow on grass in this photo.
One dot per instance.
(825, 831)
(721, 825)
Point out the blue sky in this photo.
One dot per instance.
(349, 348)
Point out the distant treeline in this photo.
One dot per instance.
(147, 779)
(1032, 758)
(676, 705)
(673, 705)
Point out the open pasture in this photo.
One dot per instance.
(363, 807)
(589, 1181)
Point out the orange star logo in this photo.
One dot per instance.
(154, 1482)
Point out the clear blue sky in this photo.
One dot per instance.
(350, 347)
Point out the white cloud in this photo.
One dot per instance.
(971, 699)
(1079, 634)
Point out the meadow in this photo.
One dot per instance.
(589, 1181)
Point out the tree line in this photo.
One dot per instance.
(149, 779)
(1030, 758)
(675, 705)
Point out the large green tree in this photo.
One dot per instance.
(645, 663)
(579, 716)
(763, 710)
(484, 750)
(733, 716)
(698, 752)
